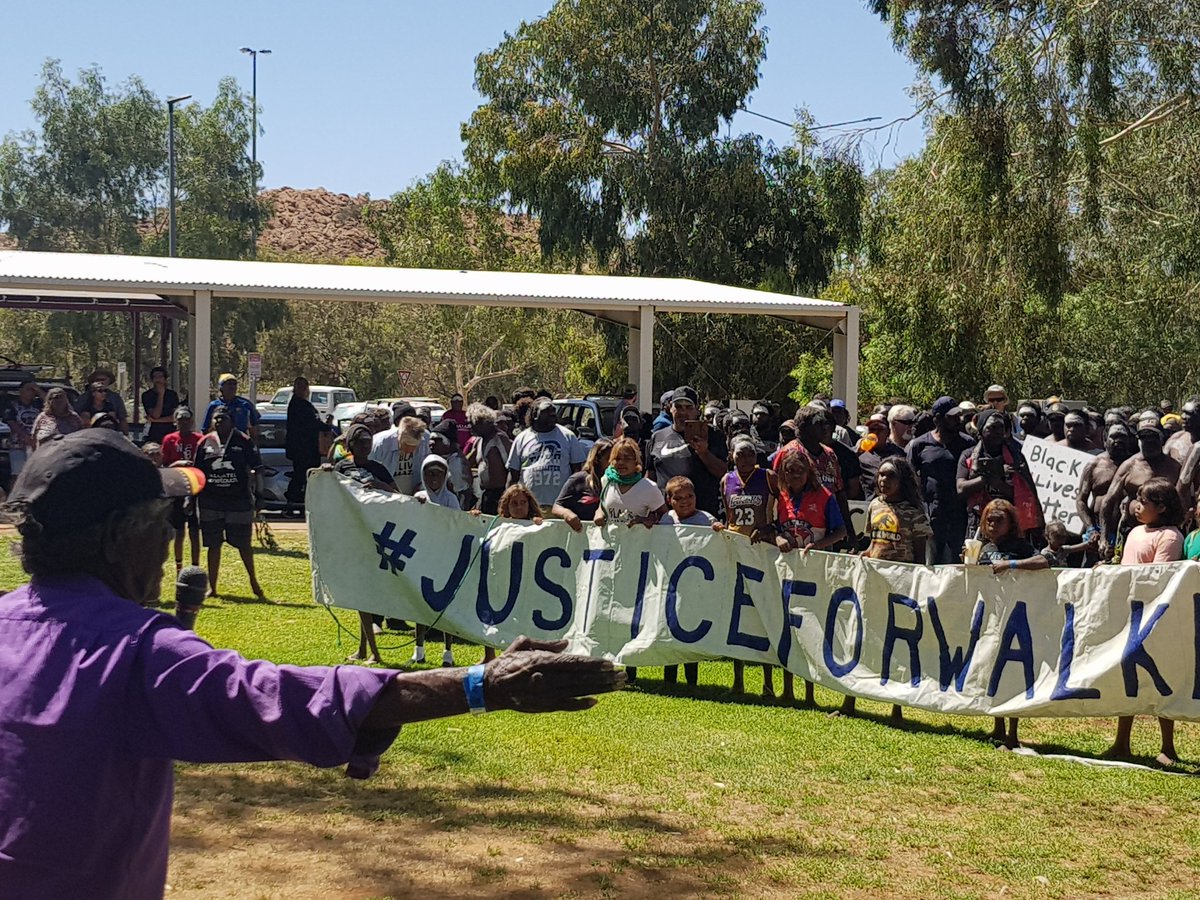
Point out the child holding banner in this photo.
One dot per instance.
(518, 502)
(898, 528)
(1156, 539)
(681, 497)
(807, 517)
(1005, 550)
(749, 491)
(627, 497)
(435, 474)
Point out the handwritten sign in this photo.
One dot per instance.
(1057, 470)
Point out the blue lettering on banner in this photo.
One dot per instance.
(1062, 690)
(438, 600)
(639, 602)
(1135, 653)
(557, 591)
(742, 599)
(1016, 645)
(954, 667)
(910, 636)
(677, 630)
(483, 604)
(393, 553)
(840, 596)
(790, 619)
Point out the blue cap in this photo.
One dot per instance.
(838, 404)
(943, 405)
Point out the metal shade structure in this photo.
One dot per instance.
(192, 284)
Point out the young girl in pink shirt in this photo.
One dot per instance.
(1156, 539)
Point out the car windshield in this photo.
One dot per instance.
(319, 398)
(282, 396)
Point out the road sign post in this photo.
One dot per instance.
(254, 372)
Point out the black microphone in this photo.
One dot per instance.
(190, 587)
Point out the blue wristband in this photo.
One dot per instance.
(1012, 563)
(473, 685)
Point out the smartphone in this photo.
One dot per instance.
(693, 430)
(991, 467)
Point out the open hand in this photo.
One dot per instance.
(537, 676)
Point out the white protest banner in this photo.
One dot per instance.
(957, 639)
(1056, 470)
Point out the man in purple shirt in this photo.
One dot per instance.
(98, 694)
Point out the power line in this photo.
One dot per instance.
(746, 109)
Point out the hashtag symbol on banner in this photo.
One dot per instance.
(393, 553)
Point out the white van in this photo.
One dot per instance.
(323, 396)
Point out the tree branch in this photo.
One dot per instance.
(1153, 117)
(480, 379)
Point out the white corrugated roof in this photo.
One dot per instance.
(298, 281)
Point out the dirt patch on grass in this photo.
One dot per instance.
(286, 832)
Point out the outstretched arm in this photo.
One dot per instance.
(530, 676)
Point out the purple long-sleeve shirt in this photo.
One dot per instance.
(98, 696)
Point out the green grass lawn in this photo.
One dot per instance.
(668, 793)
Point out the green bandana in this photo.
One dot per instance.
(613, 475)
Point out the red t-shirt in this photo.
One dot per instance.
(808, 517)
(176, 446)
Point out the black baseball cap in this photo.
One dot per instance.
(686, 393)
(357, 432)
(74, 481)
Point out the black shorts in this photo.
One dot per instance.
(183, 513)
(234, 527)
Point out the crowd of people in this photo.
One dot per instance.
(945, 485)
(224, 448)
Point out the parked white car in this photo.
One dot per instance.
(435, 407)
(325, 397)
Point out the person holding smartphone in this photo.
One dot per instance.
(995, 469)
(692, 448)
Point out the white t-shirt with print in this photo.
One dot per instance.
(639, 501)
(544, 459)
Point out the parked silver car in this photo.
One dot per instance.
(276, 468)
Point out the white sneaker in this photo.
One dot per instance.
(419, 655)
(447, 658)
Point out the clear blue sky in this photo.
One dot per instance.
(364, 97)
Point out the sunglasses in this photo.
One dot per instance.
(905, 421)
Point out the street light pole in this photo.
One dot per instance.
(171, 101)
(254, 131)
(172, 248)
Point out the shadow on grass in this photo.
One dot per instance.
(1182, 767)
(400, 836)
(242, 600)
(716, 694)
(290, 554)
